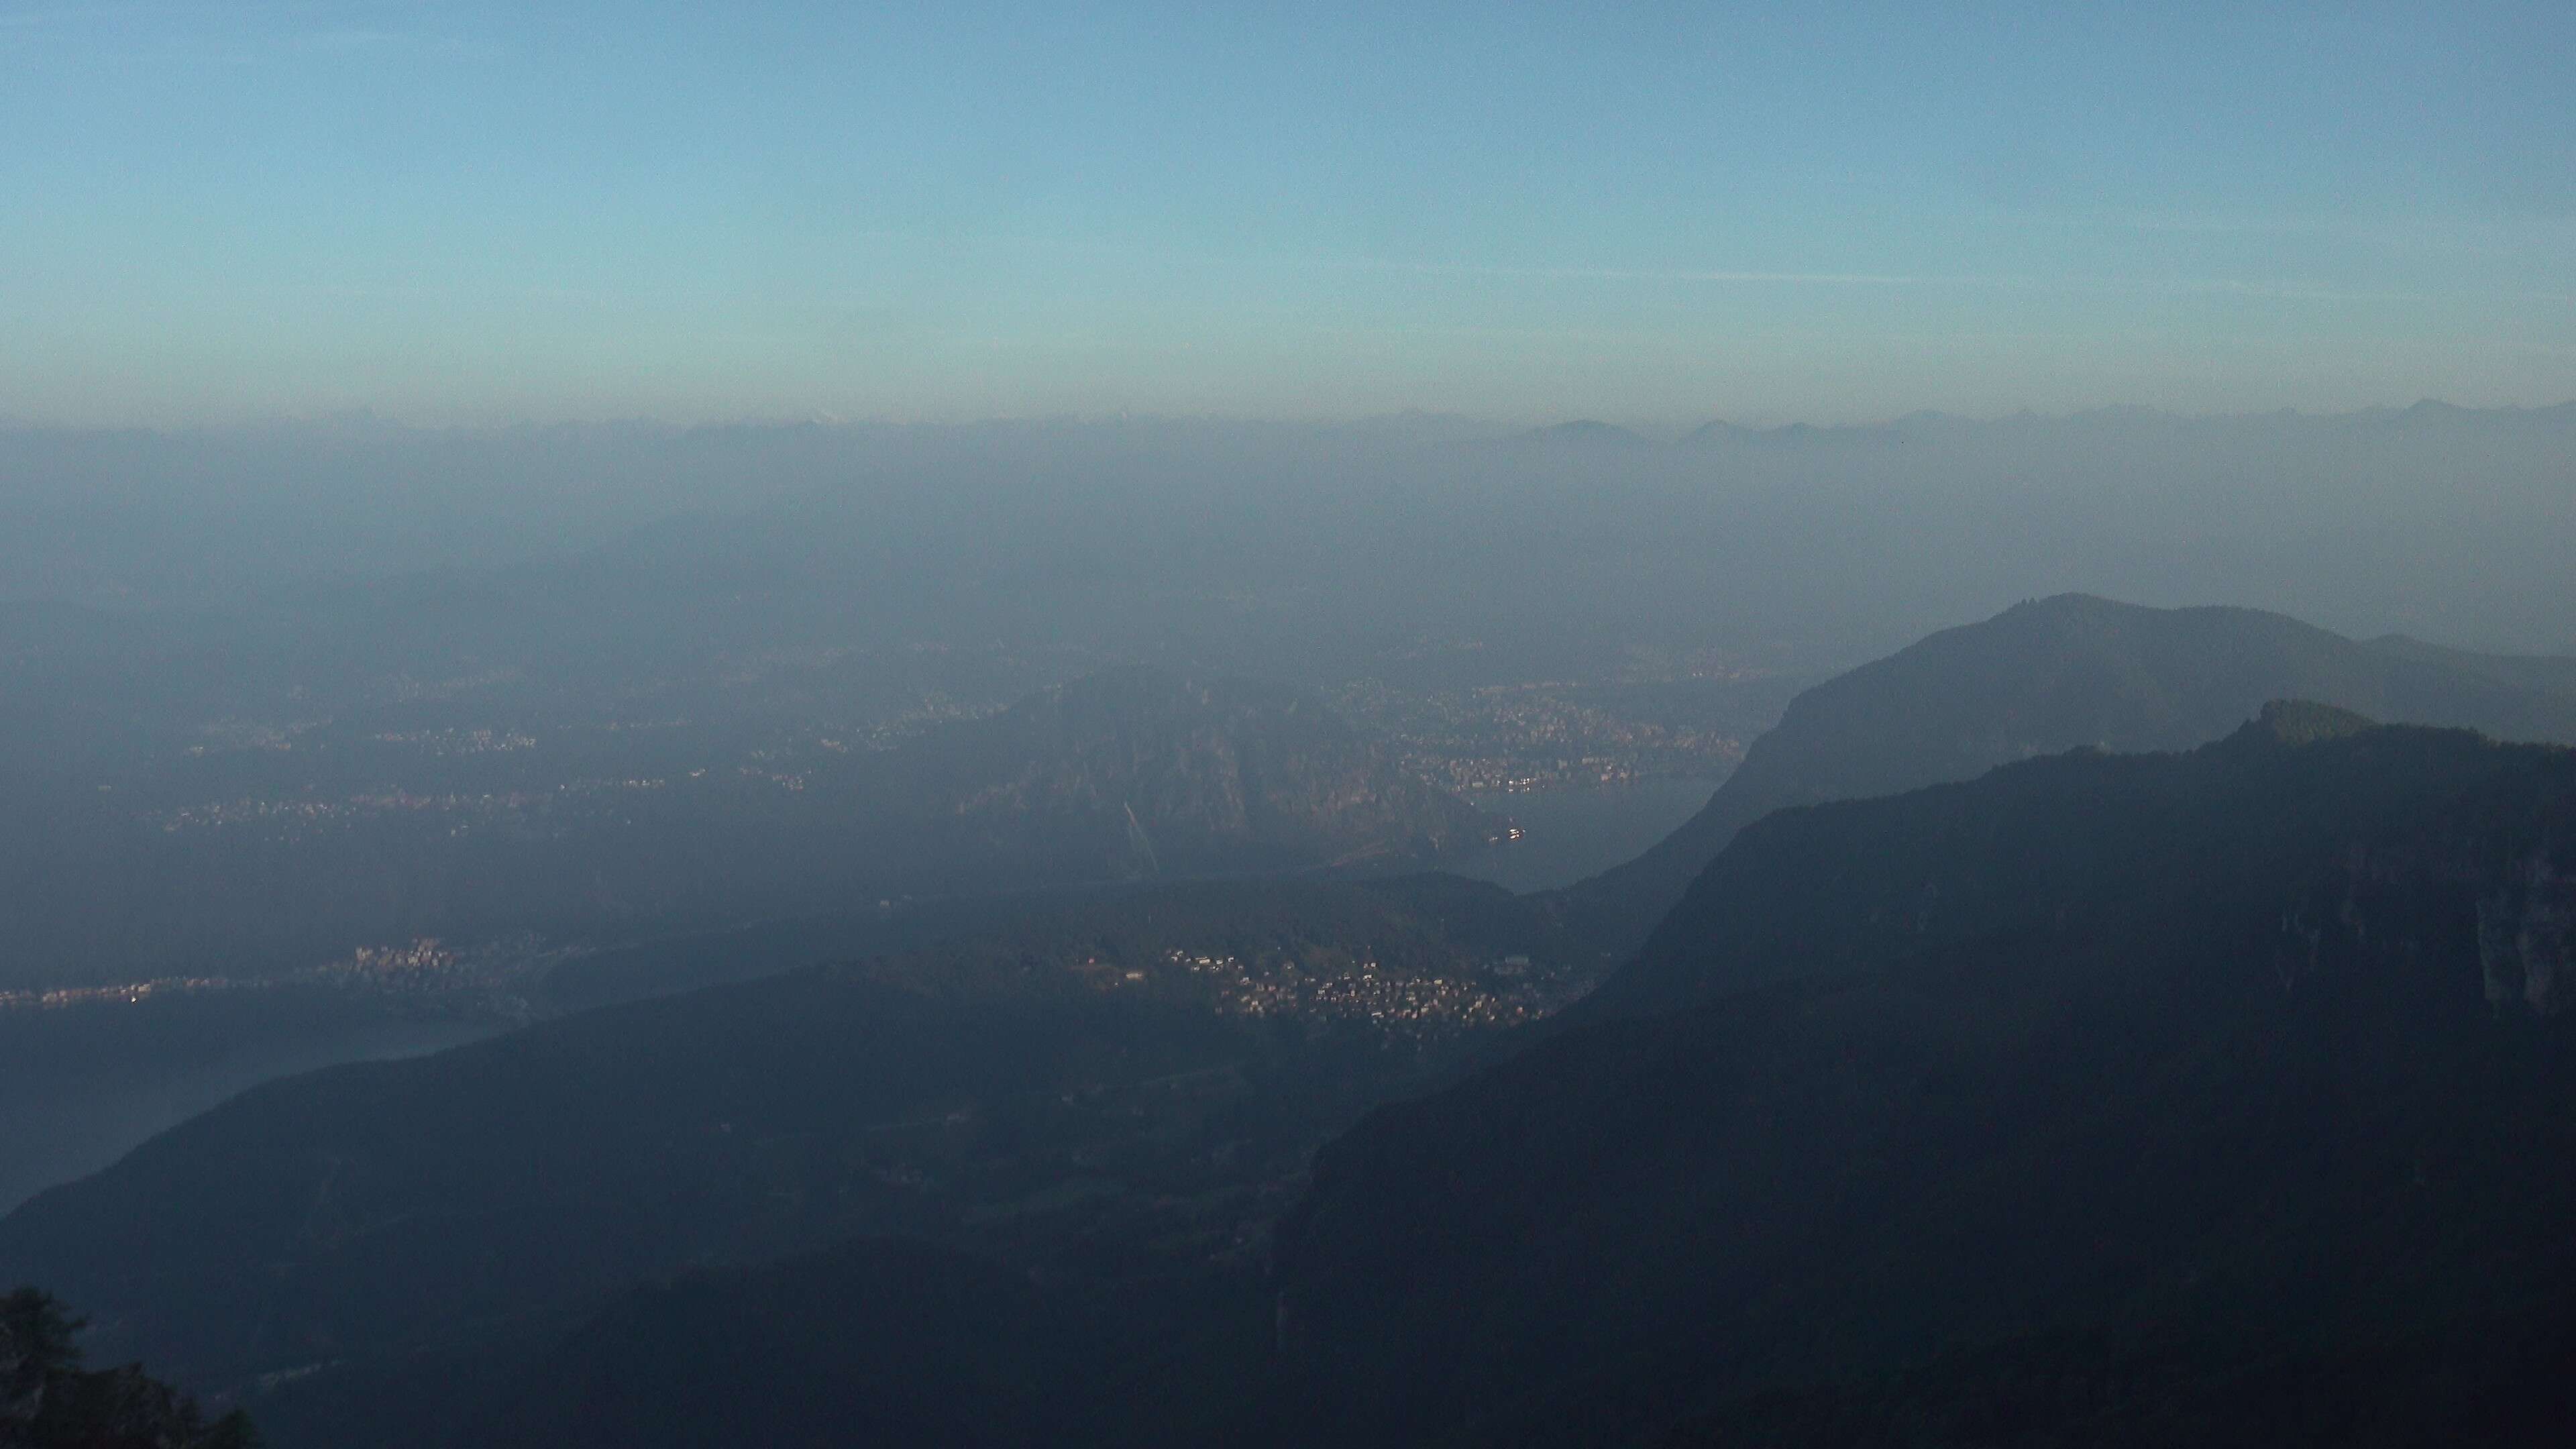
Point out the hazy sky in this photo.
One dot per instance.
(467, 211)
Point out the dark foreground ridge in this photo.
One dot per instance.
(2188, 1098)
(50, 1400)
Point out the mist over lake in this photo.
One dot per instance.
(134, 1077)
(1568, 835)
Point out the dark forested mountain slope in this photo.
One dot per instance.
(2060, 674)
(890, 1343)
(2171, 1081)
(1135, 1079)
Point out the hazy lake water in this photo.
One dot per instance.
(1570, 834)
(120, 1079)
(56, 1127)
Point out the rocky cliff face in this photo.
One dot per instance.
(2398, 894)
(2526, 932)
(2514, 917)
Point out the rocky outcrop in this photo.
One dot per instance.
(2526, 932)
(2393, 906)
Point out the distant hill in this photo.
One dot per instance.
(2234, 1088)
(2058, 674)
(1149, 772)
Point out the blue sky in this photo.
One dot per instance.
(213, 211)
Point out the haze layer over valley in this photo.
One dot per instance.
(388, 727)
(1137, 726)
(232, 656)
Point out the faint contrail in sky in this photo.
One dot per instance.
(2285, 291)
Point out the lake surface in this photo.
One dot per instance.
(1570, 834)
(80, 1089)
(83, 1087)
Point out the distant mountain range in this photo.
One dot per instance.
(1928, 425)
(2209, 1091)
(2065, 673)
